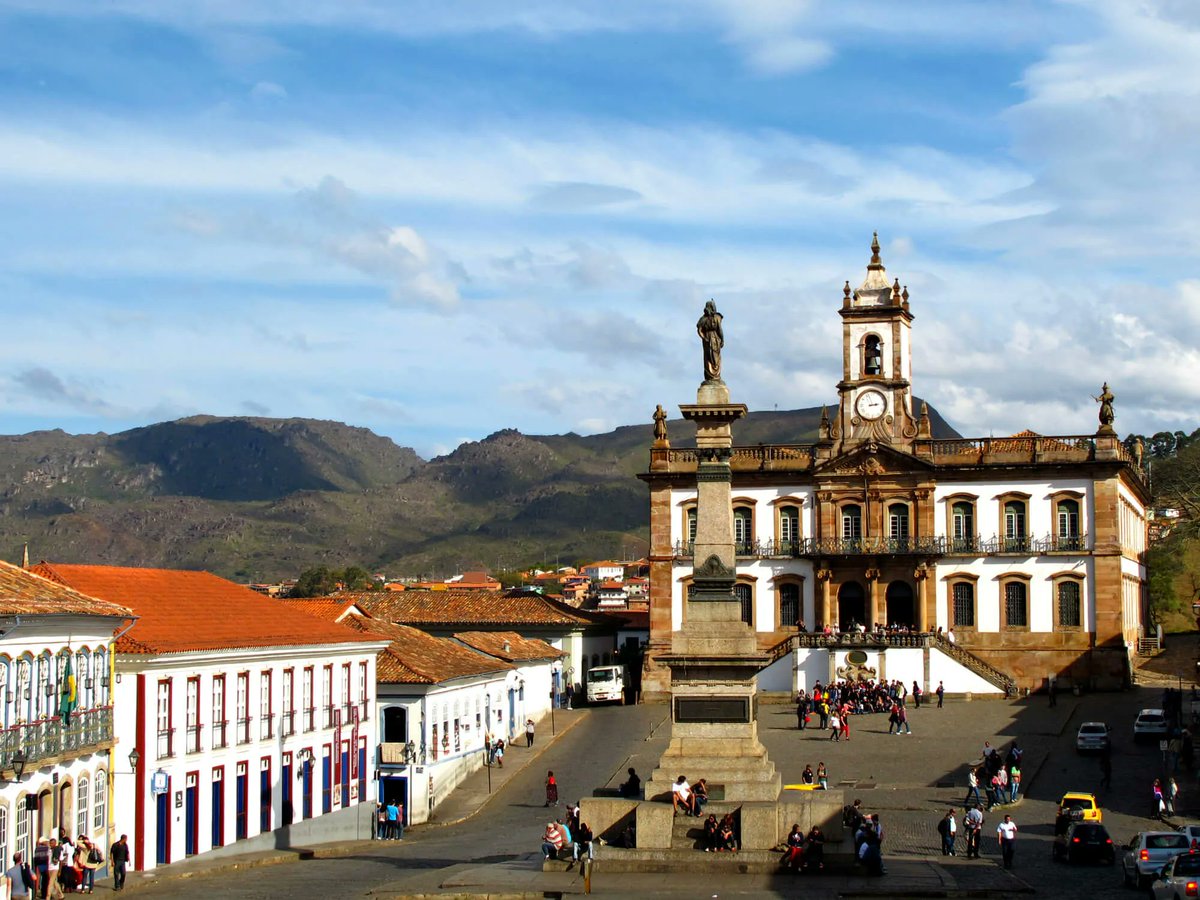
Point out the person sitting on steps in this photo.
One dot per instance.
(682, 797)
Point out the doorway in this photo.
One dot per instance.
(852, 605)
(901, 608)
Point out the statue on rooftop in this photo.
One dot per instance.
(712, 338)
(660, 425)
(1106, 408)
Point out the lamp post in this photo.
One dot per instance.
(18, 764)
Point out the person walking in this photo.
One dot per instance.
(118, 855)
(1160, 803)
(822, 777)
(1006, 834)
(529, 732)
(381, 821)
(801, 712)
(941, 694)
(21, 879)
(1172, 795)
(972, 787)
(948, 829)
(916, 695)
(551, 790)
(1014, 783)
(835, 728)
(392, 813)
(902, 714)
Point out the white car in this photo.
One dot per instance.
(1180, 877)
(1148, 852)
(1150, 724)
(1092, 736)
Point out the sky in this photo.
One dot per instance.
(441, 219)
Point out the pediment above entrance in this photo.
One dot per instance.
(873, 458)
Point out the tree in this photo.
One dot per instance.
(315, 582)
(356, 578)
(1176, 483)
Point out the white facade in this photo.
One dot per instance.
(237, 743)
(605, 571)
(67, 766)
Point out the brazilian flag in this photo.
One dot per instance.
(70, 696)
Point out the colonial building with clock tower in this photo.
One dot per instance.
(992, 564)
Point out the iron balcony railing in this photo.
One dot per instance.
(899, 546)
(50, 738)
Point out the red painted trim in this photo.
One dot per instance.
(170, 817)
(139, 779)
(196, 822)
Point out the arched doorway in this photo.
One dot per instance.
(852, 605)
(901, 610)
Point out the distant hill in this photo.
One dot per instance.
(260, 499)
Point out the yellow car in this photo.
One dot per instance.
(1080, 807)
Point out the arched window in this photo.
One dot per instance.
(962, 526)
(743, 521)
(81, 792)
(1016, 604)
(962, 604)
(789, 605)
(1070, 603)
(745, 596)
(872, 355)
(851, 522)
(100, 804)
(4, 834)
(1066, 524)
(789, 527)
(1015, 537)
(898, 523)
(24, 693)
(22, 844)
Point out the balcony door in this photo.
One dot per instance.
(852, 605)
(901, 605)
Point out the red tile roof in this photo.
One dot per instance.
(332, 609)
(180, 611)
(508, 645)
(26, 593)
(414, 657)
(470, 607)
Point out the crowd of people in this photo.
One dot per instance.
(62, 867)
(568, 833)
(832, 705)
(805, 852)
(998, 776)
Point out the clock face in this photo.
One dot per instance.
(871, 405)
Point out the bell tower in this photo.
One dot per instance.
(875, 393)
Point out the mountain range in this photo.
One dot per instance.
(257, 499)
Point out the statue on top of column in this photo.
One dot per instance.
(1106, 408)
(712, 338)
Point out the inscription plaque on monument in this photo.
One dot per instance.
(712, 709)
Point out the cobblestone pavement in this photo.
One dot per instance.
(909, 780)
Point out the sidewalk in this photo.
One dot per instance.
(468, 798)
(472, 793)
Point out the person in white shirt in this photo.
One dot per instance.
(681, 795)
(1006, 833)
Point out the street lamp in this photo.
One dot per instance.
(18, 763)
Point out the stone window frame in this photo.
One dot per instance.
(862, 519)
(909, 514)
(778, 505)
(779, 581)
(751, 505)
(687, 512)
(969, 544)
(1025, 545)
(1056, 581)
(750, 581)
(1076, 542)
(1026, 581)
(962, 578)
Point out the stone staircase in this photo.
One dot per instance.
(986, 671)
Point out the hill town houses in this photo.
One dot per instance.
(876, 550)
(201, 717)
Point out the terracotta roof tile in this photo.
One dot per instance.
(508, 645)
(469, 607)
(331, 609)
(180, 611)
(26, 593)
(414, 657)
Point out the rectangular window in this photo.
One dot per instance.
(327, 696)
(289, 713)
(243, 708)
(219, 722)
(741, 528)
(898, 523)
(100, 806)
(266, 709)
(789, 526)
(307, 699)
(1014, 526)
(82, 817)
(193, 715)
(346, 689)
(1016, 606)
(851, 523)
(362, 691)
(1069, 611)
(963, 523)
(963, 596)
(691, 528)
(165, 730)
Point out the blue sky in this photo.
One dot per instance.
(440, 219)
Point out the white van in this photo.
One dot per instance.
(606, 684)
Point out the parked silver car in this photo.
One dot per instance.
(1148, 852)
(1092, 737)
